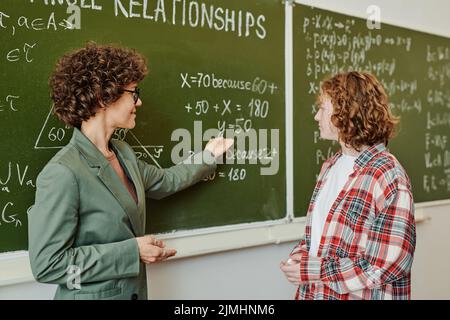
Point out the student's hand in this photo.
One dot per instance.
(291, 269)
(219, 146)
(152, 250)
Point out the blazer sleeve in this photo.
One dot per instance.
(52, 228)
(160, 183)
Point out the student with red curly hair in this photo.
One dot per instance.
(87, 226)
(360, 236)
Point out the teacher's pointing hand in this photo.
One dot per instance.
(219, 146)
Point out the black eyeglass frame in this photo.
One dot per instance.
(135, 93)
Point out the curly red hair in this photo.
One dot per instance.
(92, 76)
(361, 110)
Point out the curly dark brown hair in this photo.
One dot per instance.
(361, 110)
(90, 77)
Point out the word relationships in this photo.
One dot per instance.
(194, 14)
(190, 13)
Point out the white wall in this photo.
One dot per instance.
(253, 273)
(429, 16)
(241, 274)
(431, 266)
(27, 291)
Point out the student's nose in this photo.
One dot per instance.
(316, 117)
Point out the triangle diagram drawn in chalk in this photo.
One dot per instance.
(54, 135)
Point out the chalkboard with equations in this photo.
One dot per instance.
(212, 64)
(413, 66)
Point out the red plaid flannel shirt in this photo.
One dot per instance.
(368, 241)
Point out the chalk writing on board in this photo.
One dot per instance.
(211, 80)
(256, 108)
(83, 4)
(8, 216)
(333, 45)
(14, 173)
(16, 24)
(249, 142)
(194, 14)
(438, 99)
(10, 103)
(21, 54)
(14, 179)
(55, 135)
(241, 118)
(245, 89)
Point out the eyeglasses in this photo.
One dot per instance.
(135, 93)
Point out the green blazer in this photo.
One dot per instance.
(83, 224)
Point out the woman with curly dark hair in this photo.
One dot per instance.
(87, 226)
(360, 232)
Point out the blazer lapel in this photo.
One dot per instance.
(109, 178)
(134, 177)
(112, 181)
(131, 172)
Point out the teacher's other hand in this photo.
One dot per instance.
(152, 250)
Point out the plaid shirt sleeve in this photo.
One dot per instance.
(389, 251)
(300, 248)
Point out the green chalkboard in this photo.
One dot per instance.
(215, 63)
(415, 70)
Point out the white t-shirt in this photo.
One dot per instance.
(336, 180)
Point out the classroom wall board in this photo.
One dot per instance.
(212, 65)
(218, 65)
(414, 68)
